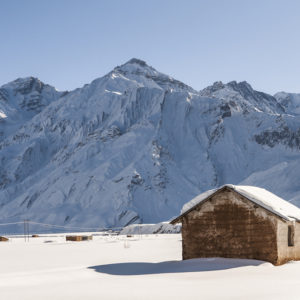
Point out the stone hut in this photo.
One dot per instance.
(240, 222)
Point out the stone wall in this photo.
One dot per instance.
(286, 252)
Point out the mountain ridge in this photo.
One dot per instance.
(134, 145)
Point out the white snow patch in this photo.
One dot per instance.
(113, 76)
(114, 92)
(2, 115)
(258, 110)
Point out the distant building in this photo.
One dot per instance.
(240, 222)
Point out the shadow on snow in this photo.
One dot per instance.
(190, 265)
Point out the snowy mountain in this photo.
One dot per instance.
(136, 144)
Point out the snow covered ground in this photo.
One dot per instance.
(139, 267)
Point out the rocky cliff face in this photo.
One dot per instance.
(136, 144)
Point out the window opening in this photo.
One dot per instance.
(291, 234)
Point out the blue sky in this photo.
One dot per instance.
(68, 43)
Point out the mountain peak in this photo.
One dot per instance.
(216, 86)
(140, 62)
(26, 79)
(243, 91)
(136, 65)
(139, 70)
(25, 85)
(240, 85)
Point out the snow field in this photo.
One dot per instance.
(139, 267)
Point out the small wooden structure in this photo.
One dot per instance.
(3, 239)
(240, 222)
(79, 238)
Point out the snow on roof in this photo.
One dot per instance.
(257, 195)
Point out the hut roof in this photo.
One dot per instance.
(260, 196)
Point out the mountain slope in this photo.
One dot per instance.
(136, 144)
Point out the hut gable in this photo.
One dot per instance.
(260, 196)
